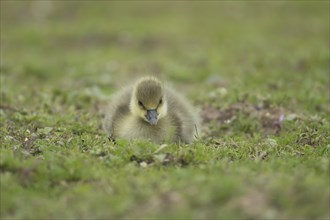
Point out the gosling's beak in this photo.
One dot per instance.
(152, 117)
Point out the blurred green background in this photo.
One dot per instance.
(244, 43)
(257, 71)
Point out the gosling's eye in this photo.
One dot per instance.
(160, 101)
(140, 103)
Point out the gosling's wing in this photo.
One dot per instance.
(117, 109)
(183, 115)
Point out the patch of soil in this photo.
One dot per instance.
(270, 118)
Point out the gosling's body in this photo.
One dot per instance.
(177, 121)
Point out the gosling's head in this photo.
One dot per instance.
(148, 100)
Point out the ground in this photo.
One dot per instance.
(258, 73)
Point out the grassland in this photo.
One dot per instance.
(257, 71)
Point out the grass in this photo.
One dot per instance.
(257, 71)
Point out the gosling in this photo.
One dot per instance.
(150, 110)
